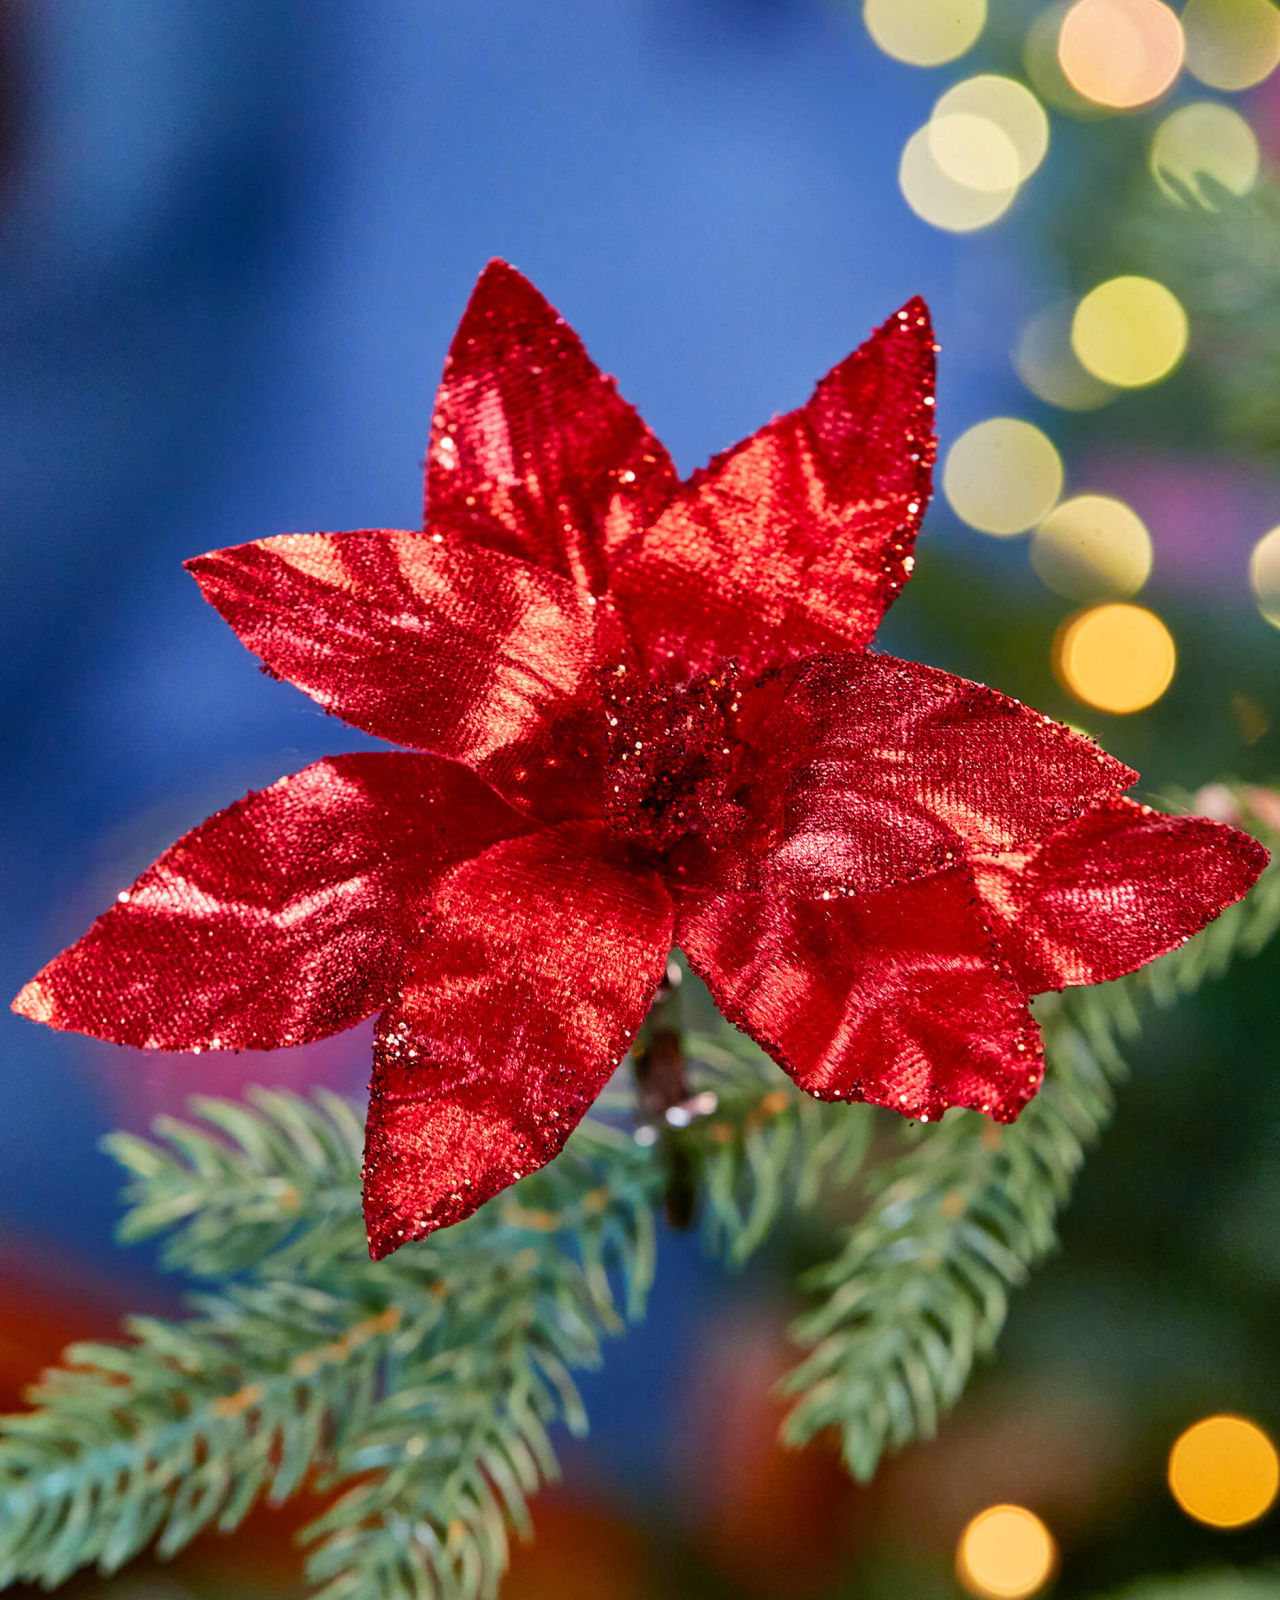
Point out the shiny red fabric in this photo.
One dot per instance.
(883, 770)
(533, 450)
(900, 998)
(648, 716)
(280, 920)
(521, 1004)
(1111, 891)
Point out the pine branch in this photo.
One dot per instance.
(921, 1288)
(768, 1146)
(1255, 1585)
(272, 1185)
(427, 1383)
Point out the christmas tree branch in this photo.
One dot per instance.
(1254, 1585)
(426, 1384)
(921, 1288)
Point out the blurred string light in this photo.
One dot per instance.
(1040, 60)
(940, 199)
(1264, 575)
(1205, 140)
(1232, 44)
(985, 138)
(1005, 1553)
(1121, 53)
(1046, 363)
(1005, 104)
(1117, 657)
(1129, 331)
(1092, 547)
(1002, 476)
(974, 151)
(925, 33)
(1224, 1471)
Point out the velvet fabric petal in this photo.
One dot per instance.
(533, 451)
(898, 998)
(875, 770)
(1111, 891)
(540, 963)
(280, 920)
(799, 538)
(472, 655)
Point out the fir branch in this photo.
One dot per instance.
(426, 1384)
(767, 1147)
(921, 1288)
(1262, 1584)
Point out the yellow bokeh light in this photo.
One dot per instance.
(1005, 1553)
(1002, 476)
(938, 198)
(1129, 331)
(1118, 657)
(925, 33)
(974, 151)
(1205, 140)
(1046, 363)
(1264, 575)
(1012, 108)
(1224, 1471)
(1121, 53)
(1092, 547)
(1232, 44)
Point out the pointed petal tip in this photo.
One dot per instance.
(499, 278)
(913, 316)
(33, 1001)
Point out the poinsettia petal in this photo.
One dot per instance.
(280, 920)
(533, 450)
(799, 538)
(542, 958)
(878, 770)
(1111, 891)
(467, 653)
(898, 998)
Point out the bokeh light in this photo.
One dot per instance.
(1205, 140)
(1264, 575)
(1121, 53)
(1117, 657)
(1092, 547)
(1008, 105)
(974, 151)
(1046, 363)
(1130, 331)
(1044, 70)
(1224, 1471)
(925, 33)
(1002, 476)
(939, 198)
(1232, 44)
(1005, 1553)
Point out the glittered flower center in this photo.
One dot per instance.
(672, 756)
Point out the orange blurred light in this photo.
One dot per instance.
(1005, 1553)
(1224, 1471)
(1121, 53)
(1118, 657)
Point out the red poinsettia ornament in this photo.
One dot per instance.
(641, 713)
